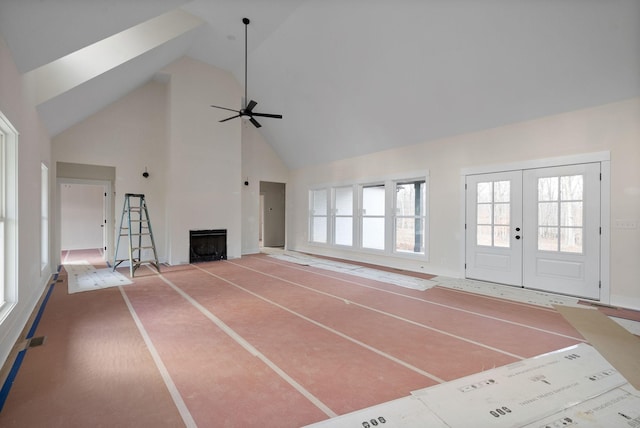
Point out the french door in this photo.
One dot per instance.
(536, 228)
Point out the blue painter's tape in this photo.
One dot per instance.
(4, 392)
(34, 326)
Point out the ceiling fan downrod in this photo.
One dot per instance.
(248, 106)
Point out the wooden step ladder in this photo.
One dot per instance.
(136, 226)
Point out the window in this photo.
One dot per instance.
(493, 213)
(410, 217)
(387, 216)
(8, 216)
(560, 213)
(318, 217)
(44, 218)
(343, 216)
(2, 217)
(373, 217)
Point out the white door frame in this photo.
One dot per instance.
(605, 217)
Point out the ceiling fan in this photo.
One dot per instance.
(247, 111)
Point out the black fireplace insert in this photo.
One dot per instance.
(207, 245)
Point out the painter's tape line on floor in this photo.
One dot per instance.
(419, 299)
(398, 317)
(332, 330)
(251, 349)
(6, 387)
(187, 418)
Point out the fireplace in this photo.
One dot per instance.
(207, 245)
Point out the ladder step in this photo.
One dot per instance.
(142, 248)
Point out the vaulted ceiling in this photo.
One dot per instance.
(350, 76)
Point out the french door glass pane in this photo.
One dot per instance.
(373, 233)
(548, 214)
(501, 214)
(484, 235)
(571, 188)
(571, 214)
(548, 238)
(560, 204)
(548, 189)
(493, 213)
(501, 191)
(484, 213)
(501, 236)
(571, 240)
(484, 192)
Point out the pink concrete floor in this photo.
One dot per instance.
(259, 342)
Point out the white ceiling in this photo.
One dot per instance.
(357, 76)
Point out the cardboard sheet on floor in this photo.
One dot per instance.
(617, 408)
(575, 384)
(85, 277)
(616, 344)
(401, 413)
(524, 392)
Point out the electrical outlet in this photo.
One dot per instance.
(626, 224)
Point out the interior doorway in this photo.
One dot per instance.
(272, 214)
(84, 215)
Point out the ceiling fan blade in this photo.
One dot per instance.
(255, 122)
(250, 106)
(224, 108)
(229, 118)
(275, 116)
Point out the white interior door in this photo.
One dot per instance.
(562, 229)
(494, 222)
(537, 228)
(82, 208)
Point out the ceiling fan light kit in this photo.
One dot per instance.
(247, 110)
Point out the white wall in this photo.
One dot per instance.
(128, 135)
(203, 158)
(194, 162)
(259, 163)
(612, 127)
(33, 149)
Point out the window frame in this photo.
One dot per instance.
(8, 217)
(44, 217)
(313, 216)
(422, 216)
(389, 184)
(364, 215)
(335, 215)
